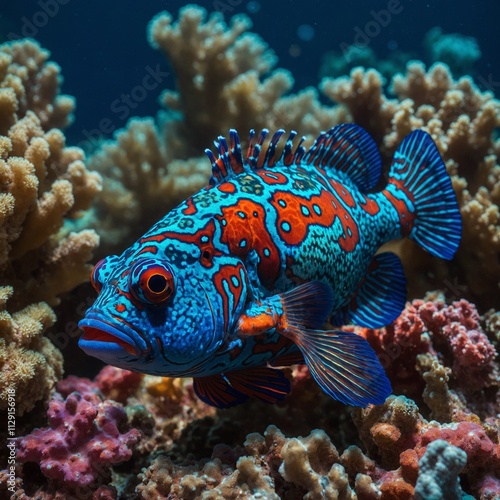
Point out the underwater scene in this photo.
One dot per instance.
(249, 250)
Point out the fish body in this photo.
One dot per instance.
(241, 276)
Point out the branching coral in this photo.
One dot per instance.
(462, 120)
(42, 185)
(26, 355)
(225, 84)
(222, 84)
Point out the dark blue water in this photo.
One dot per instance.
(103, 51)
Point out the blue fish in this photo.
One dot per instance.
(240, 278)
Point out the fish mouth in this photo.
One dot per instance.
(101, 337)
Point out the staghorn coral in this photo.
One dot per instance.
(462, 121)
(43, 184)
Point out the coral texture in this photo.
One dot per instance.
(438, 472)
(447, 346)
(43, 184)
(84, 438)
(26, 355)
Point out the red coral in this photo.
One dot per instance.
(82, 442)
(117, 384)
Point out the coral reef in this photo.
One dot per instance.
(438, 471)
(447, 346)
(462, 121)
(458, 51)
(85, 437)
(124, 435)
(43, 184)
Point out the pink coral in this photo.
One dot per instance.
(117, 384)
(83, 440)
(432, 327)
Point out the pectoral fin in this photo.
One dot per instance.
(343, 364)
(308, 304)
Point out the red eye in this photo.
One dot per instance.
(95, 279)
(151, 281)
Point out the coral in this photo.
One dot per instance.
(458, 51)
(220, 79)
(26, 72)
(117, 384)
(440, 352)
(43, 184)
(438, 472)
(83, 440)
(30, 363)
(398, 435)
(461, 120)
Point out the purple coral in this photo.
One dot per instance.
(83, 440)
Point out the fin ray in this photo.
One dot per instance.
(344, 365)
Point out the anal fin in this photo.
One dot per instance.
(233, 388)
(215, 390)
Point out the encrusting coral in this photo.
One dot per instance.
(43, 183)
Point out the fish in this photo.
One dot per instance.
(241, 278)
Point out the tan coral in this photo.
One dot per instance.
(43, 187)
(221, 84)
(462, 120)
(25, 70)
(29, 362)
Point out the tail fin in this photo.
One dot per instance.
(429, 213)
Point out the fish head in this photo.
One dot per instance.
(161, 316)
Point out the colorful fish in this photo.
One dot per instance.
(240, 278)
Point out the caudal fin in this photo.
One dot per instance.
(420, 189)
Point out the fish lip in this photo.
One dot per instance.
(98, 333)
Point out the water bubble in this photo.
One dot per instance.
(305, 32)
(392, 45)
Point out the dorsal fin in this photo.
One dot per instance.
(346, 148)
(349, 149)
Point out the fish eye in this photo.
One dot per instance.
(151, 281)
(95, 280)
